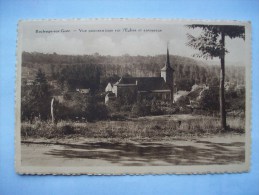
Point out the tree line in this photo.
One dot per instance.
(93, 71)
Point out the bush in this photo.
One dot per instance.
(68, 130)
(185, 110)
(46, 129)
(117, 117)
(183, 101)
(67, 96)
(156, 109)
(235, 101)
(164, 107)
(102, 111)
(114, 106)
(96, 111)
(141, 109)
(209, 99)
(69, 112)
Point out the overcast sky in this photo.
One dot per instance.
(114, 43)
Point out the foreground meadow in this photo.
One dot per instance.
(151, 127)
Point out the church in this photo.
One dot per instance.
(139, 88)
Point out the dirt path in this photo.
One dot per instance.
(212, 150)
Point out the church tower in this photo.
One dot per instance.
(167, 74)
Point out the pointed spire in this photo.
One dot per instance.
(167, 63)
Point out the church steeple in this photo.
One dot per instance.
(167, 63)
(167, 73)
(167, 67)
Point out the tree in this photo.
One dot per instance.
(211, 43)
(40, 96)
(95, 110)
(184, 84)
(26, 106)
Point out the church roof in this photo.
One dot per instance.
(145, 83)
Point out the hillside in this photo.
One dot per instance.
(187, 70)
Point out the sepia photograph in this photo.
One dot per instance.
(133, 96)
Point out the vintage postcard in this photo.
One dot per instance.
(133, 96)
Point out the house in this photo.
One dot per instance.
(180, 94)
(84, 91)
(109, 88)
(191, 98)
(134, 89)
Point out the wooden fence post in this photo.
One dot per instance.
(52, 110)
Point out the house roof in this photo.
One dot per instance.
(145, 83)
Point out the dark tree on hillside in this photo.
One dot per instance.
(94, 110)
(211, 43)
(40, 96)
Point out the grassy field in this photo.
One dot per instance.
(152, 127)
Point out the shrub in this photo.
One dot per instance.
(141, 109)
(96, 111)
(102, 111)
(47, 129)
(156, 110)
(183, 101)
(235, 100)
(67, 130)
(117, 117)
(209, 99)
(67, 96)
(114, 106)
(185, 110)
